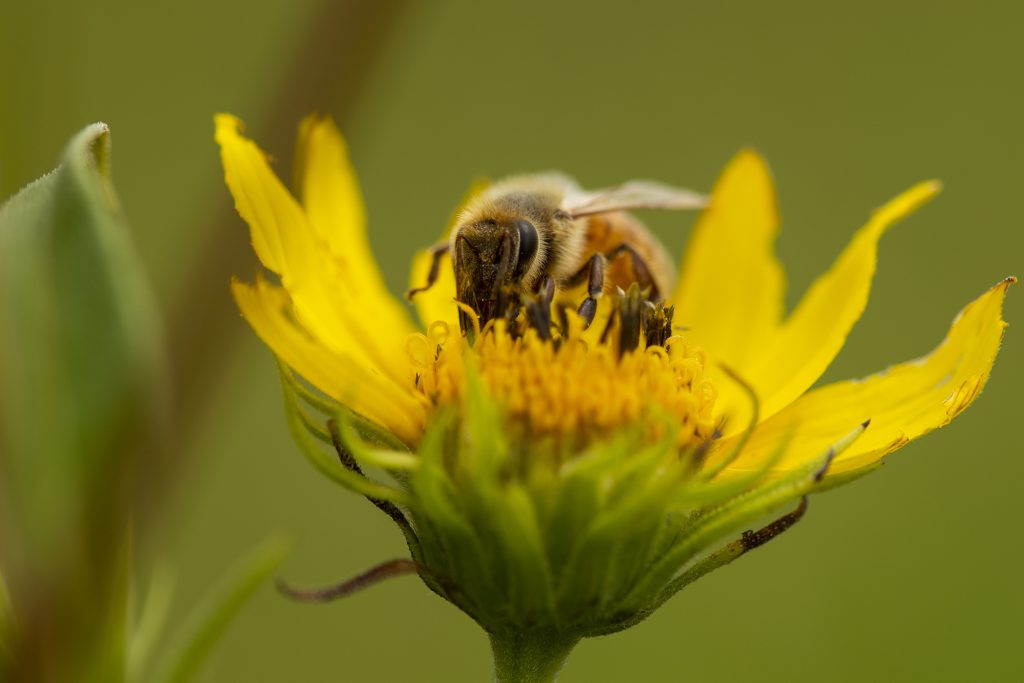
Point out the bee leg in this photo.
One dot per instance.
(563, 320)
(631, 311)
(547, 291)
(593, 272)
(437, 252)
(640, 269)
(538, 310)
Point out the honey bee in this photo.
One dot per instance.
(527, 236)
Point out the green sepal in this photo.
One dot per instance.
(367, 454)
(637, 491)
(713, 471)
(450, 545)
(843, 478)
(704, 490)
(307, 432)
(710, 525)
(490, 482)
(329, 408)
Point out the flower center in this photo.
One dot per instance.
(566, 389)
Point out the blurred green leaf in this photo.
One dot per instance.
(81, 371)
(147, 630)
(212, 619)
(82, 411)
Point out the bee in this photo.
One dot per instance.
(527, 236)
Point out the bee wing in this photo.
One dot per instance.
(636, 194)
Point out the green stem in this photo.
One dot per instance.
(530, 657)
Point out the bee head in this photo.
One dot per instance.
(491, 258)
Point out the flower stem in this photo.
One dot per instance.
(530, 657)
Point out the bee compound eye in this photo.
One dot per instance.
(527, 245)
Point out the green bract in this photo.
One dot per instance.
(543, 550)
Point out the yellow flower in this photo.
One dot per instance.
(701, 424)
(333, 321)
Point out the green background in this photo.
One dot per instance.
(911, 574)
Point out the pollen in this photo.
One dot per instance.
(567, 390)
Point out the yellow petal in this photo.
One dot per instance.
(275, 219)
(791, 360)
(267, 309)
(438, 302)
(328, 301)
(328, 188)
(731, 287)
(903, 402)
(329, 191)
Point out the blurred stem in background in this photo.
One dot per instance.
(340, 48)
